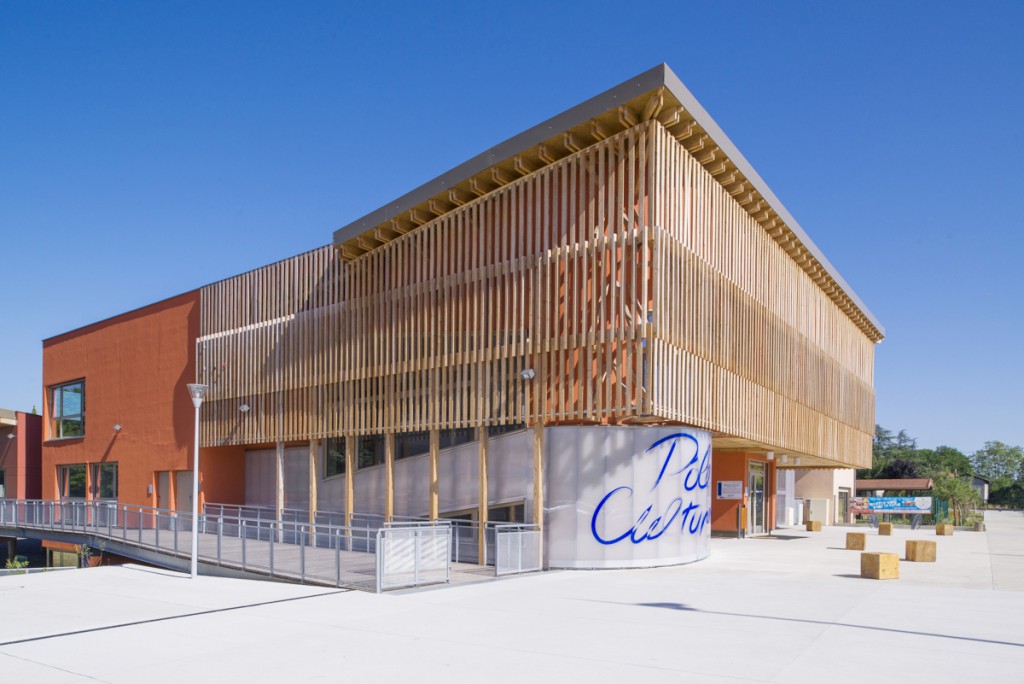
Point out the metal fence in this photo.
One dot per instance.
(465, 534)
(241, 538)
(412, 555)
(517, 549)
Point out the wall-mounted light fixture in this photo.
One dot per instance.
(770, 455)
(784, 458)
(117, 428)
(528, 374)
(244, 408)
(796, 461)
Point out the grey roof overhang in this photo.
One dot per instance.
(659, 77)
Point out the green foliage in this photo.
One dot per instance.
(895, 455)
(958, 492)
(998, 460)
(16, 564)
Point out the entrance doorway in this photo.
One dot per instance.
(755, 488)
(843, 506)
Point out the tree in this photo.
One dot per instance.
(962, 497)
(999, 460)
(899, 469)
(943, 460)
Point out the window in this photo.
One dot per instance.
(409, 444)
(334, 456)
(71, 481)
(450, 438)
(369, 451)
(2, 490)
(104, 480)
(67, 410)
(498, 430)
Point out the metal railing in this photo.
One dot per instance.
(517, 549)
(233, 537)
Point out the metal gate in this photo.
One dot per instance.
(517, 549)
(413, 555)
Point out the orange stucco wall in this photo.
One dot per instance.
(136, 367)
(731, 465)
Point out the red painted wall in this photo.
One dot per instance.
(136, 367)
(731, 465)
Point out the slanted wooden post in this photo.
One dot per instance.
(314, 475)
(351, 444)
(279, 485)
(389, 476)
(434, 486)
(482, 494)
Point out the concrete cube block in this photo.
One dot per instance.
(856, 541)
(944, 530)
(814, 526)
(885, 529)
(875, 565)
(920, 551)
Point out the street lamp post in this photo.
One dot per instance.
(198, 393)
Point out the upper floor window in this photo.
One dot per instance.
(67, 410)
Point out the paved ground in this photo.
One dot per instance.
(778, 610)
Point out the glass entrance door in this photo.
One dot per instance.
(843, 506)
(755, 487)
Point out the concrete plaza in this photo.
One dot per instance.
(786, 609)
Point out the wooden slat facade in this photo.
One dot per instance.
(624, 274)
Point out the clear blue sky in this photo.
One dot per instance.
(149, 148)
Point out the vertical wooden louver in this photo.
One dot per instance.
(623, 274)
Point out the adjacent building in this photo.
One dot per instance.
(607, 326)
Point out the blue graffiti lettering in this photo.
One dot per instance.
(693, 517)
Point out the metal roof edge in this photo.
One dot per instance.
(656, 77)
(690, 103)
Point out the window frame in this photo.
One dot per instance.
(97, 480)
(57, 414)
(64, 481)
(342, 470)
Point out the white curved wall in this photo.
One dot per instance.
(626, 497)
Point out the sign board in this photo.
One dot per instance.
(730, 489)
(891, 504)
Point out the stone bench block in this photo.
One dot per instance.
(944, 530)
(885, 529)
(814, 526)
(856, 541)
(920, 551)
(874, 565)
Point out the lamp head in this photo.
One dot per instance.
(198, 393)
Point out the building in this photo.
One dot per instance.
(20, 443)
(825, 493)
(565, 330)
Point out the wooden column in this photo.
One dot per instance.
(279, 486)
(482, 494)
(279, 482)
(389, 475)
(314, 477)
(434, 486)
(351, 443)
(538, 485)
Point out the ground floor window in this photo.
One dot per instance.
(497, 430)
(369, 450)
(334, 456)
(104, 480)
(71, 481)
(451, 438)
(409, 444)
